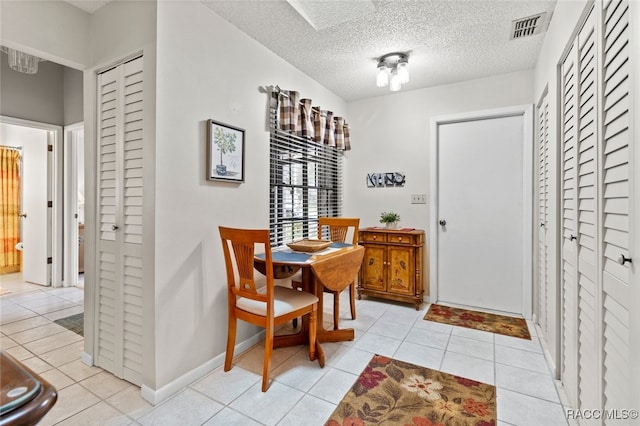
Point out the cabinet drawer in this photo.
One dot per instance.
(402, 238)
(373, 237)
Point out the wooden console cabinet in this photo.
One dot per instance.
(392, 265)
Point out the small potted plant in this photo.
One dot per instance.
(391, 219)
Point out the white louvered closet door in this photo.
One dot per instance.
(586, 216)
(616, 201)
(119, 262)
(543, 213)
(596, 214)
(569, 299)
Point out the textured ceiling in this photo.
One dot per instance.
(447, 40)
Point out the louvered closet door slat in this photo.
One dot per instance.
(616, 200)
(569, 261)
(586, 242)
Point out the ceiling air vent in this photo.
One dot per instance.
(529, 26)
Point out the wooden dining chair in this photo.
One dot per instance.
(338, 228)
(253, 297)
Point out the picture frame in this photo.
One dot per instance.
(225, 152)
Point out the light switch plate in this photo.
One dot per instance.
(418, 198)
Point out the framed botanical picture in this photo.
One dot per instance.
(225, 152)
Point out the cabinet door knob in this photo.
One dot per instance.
(572, 237)
(400, 239)
(442, 222)
(114, 227)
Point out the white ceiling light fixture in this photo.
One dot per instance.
(393, 70)
(22, 62)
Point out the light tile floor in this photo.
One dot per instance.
(301, 393)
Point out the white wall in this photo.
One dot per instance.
(72, 97)
(561, 28)
(118, 31)
(391, 134)
(52, 30)
(207, 69)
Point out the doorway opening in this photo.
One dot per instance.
(40, 206)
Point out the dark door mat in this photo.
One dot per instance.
(74, 323)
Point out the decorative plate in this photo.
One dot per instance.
(309, 246)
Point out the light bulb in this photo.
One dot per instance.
(382, 78)
(403, 71)
(394, 85)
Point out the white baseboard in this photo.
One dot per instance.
(157, 396)
(87, 359)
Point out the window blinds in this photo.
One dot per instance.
(305, 183)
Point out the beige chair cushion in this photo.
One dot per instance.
(285, 300)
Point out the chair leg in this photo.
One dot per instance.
(352, 299)
(313, 318)
(231, 341)
(298, 286)
(268, 349)
(336, 309)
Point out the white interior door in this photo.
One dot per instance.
(483, 212)
(34, 201)
(543, 314)
(618, 219)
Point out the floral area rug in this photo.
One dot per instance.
(392, 392)
(500, 324)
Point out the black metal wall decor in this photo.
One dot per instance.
(381, 180)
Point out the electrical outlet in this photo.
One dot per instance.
(418, 198)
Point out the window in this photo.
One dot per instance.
(305, 183)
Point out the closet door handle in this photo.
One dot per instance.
(623, 259)
(572, 237)
(114, 227)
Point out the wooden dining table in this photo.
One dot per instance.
(334, 267)
(25, 397)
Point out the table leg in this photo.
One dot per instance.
(324, 335)
(310, 285)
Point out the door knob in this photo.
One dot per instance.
(541, 224)
(114, 227)
(442, 222)
(572, 237)
(23, 215)
(622, 259)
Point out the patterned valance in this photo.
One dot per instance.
(298, 116)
